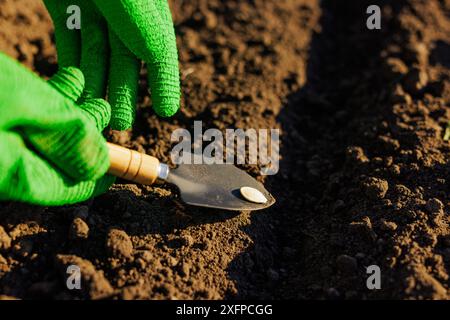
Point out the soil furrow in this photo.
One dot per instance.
(379, 154)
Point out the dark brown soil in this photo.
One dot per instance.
(363, 175)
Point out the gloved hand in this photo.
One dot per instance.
(51, 150)
(137, 29)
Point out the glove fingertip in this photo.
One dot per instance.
(120, 124)
(69, 81)
(164, 83)
(123, 115)
(99, 111)
(166, 106)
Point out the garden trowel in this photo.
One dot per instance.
(221, 186)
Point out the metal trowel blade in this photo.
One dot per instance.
(216, 186)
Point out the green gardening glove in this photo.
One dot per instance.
(51, 150)
(114, 35)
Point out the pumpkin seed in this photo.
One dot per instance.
(253, 195)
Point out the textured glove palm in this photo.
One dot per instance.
(136, 29)
(51, 150)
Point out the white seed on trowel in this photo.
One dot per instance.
(253, 195)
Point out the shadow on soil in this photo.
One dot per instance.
(291, 239)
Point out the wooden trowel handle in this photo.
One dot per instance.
(132, 165)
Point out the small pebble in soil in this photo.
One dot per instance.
(5, 240)
(146, 255)
(355, 154)
(388, 225)
(375, 188)
(253, 195)
(395, 170)
(78, 229)
(171, 261)
(396, 251)
(434, 206)
(363, 228)
(119, 244)
(395, 67)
